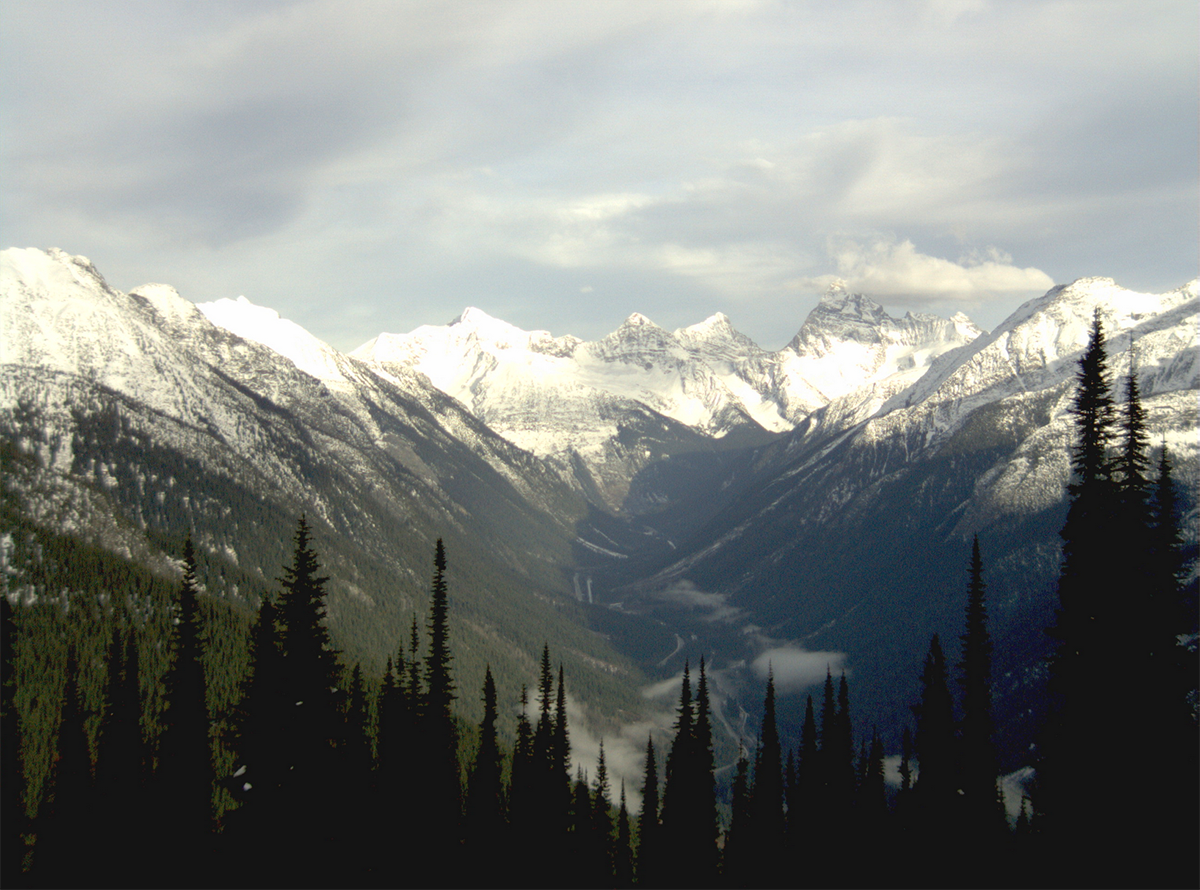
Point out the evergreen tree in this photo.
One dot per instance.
(738, 866)
(485, 819)
(982, 806)
(260, 780)
(623, 855)
(412, 685)
(182, 781)
(689, 828)
(843, 752)
(296, 727)
(64, 850)
(440, 695)
(707, 829)
(935, 793)
(440, 783)
(560, 747)
(521, 800)
(872, 790)
(12, 774)
(675, 787)
(543, 736)
(602, 824)
(121, 778)
(766, 804)
(649, 852)
(803, 813)
(1073, 805)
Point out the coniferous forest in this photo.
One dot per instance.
(153, 735)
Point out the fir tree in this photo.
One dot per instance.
(602, 824)
(545, 724)
(649, 850)
(677, 778)
(521, 783)
(766, 805)
(1073, 806)
(485, 822)
(706, 828)
(441, 784)
(299, 758)
(412, 685)
(183, 779)
(623, 854)
(120, 772)
(738, 866)
(440, 695)
(803, 805)
(936, 784)
(689, 828)
(982, 807)
(560, 747)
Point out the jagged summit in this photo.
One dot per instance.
(840, 302)
(637, 320)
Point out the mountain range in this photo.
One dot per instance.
(646, 498)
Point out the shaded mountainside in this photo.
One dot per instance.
(851, 536)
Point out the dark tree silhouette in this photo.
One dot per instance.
(766, 802)
(1075, 808)
(649, 852)
(935, 794)
(182, 782)
(485, 814)
(983, 810)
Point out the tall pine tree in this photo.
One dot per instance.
(982, 806)
(182, 782)
(1072, 801)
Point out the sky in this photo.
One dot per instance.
(373, 166)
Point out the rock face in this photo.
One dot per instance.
(582, 404)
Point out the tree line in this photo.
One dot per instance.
(331, 777)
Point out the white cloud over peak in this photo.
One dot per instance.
(899, 273)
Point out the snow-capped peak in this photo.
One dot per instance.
(262, 325)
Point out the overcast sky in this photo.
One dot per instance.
(366, 167)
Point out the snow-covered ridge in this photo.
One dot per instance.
(707, 376)
(263, 325)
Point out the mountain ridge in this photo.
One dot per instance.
(609, 519)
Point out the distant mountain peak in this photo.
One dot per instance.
(718, 320)
(474, 317)
(637, 320)
(838, 301)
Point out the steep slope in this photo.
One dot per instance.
(131, 419)
(853, 540)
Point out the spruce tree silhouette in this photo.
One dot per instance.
(310, 735)
(766, 802)
(984, 827)
(439, 781)
(1073, 812)
(485, 817)
(649, 850)
(12, 774)
(181, 787)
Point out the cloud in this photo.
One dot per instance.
(359, 168)
(796, 668)
(686, 594)
(899, 273)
